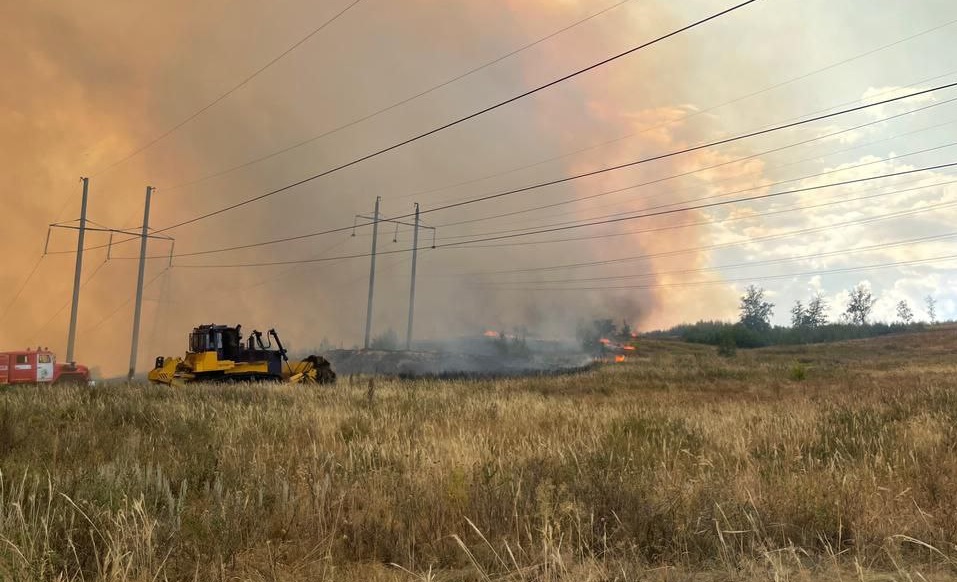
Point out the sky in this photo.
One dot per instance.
(110, 90)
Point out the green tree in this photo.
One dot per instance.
(798, 315)
(859, 305)
(726, 345)
(904, 312)
(755, 311)
(816, 313)
(931, 308)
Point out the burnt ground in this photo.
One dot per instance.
(419, 364)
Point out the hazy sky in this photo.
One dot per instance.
(87, 84)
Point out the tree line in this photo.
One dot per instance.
(809, 322)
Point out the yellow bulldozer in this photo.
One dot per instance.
(217, 353)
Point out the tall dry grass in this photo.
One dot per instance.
(677, 465)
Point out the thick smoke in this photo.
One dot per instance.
(92, 83)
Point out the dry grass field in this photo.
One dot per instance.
(832, 462)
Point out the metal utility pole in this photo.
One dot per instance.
(415, 256)
(71, 338)
(144, 238)
(375, 239)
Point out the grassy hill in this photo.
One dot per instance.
(801, 463)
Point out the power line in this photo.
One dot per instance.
(300, 237)
(111, 231)
(379, 272)
(385, 270)
(569, 178)
(20, 290)
(266, 281)
(396, 104)
(459, 120)
(63, 307)
(266, 243)
(642, 131)
(719, 165)
(696, 113)
(125, 303)
(594, 223)
(878, 246)
(320, 233)
(525, 47)
(342, 229)
(259, 244)
(137, 237)
(665, 228)
(229, 92)
(682, 151)
(761, 186)
(717, 246)
(782, 235)
(393, 106)
(698, 207)
(744, 279)
(285, 272)
(709, 197)
(722, 221)
(32, 271)
(296, 262)
(658, 229)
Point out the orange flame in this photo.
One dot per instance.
(629, 348)
(605, 341)
(490, 333)
(619, 359)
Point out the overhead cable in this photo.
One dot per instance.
(395, 105)
(459, 120)
(228, 92)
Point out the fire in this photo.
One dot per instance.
(619, 359)
(490, 333)
(629, 348)
(604, 341)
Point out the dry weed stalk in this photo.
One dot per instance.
(680, 465)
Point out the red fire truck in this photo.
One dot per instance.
(39, 367)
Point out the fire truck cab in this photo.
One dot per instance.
(39, 367)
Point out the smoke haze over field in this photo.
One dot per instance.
(86, 84)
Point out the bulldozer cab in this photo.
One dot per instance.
(226, 341)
